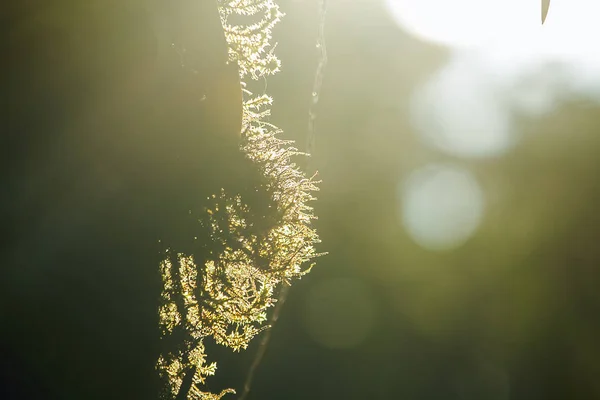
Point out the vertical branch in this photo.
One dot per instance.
(310, 146)
(186, 383)
(231, 276)
(262, 348)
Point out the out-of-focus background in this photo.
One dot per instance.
(458, 143)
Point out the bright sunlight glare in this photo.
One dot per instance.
(467, 23)
(570, 26)
(503, 64)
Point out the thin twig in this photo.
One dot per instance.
(262, 347)
(318, 81)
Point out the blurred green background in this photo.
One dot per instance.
(457, 147)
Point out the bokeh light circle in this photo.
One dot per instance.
(460, 111)
(441, 206)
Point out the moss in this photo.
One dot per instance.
(250, 237)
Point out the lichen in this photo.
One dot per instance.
(252, 247)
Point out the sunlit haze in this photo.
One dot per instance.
(503, 65)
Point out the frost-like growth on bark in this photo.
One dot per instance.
(250, 247)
